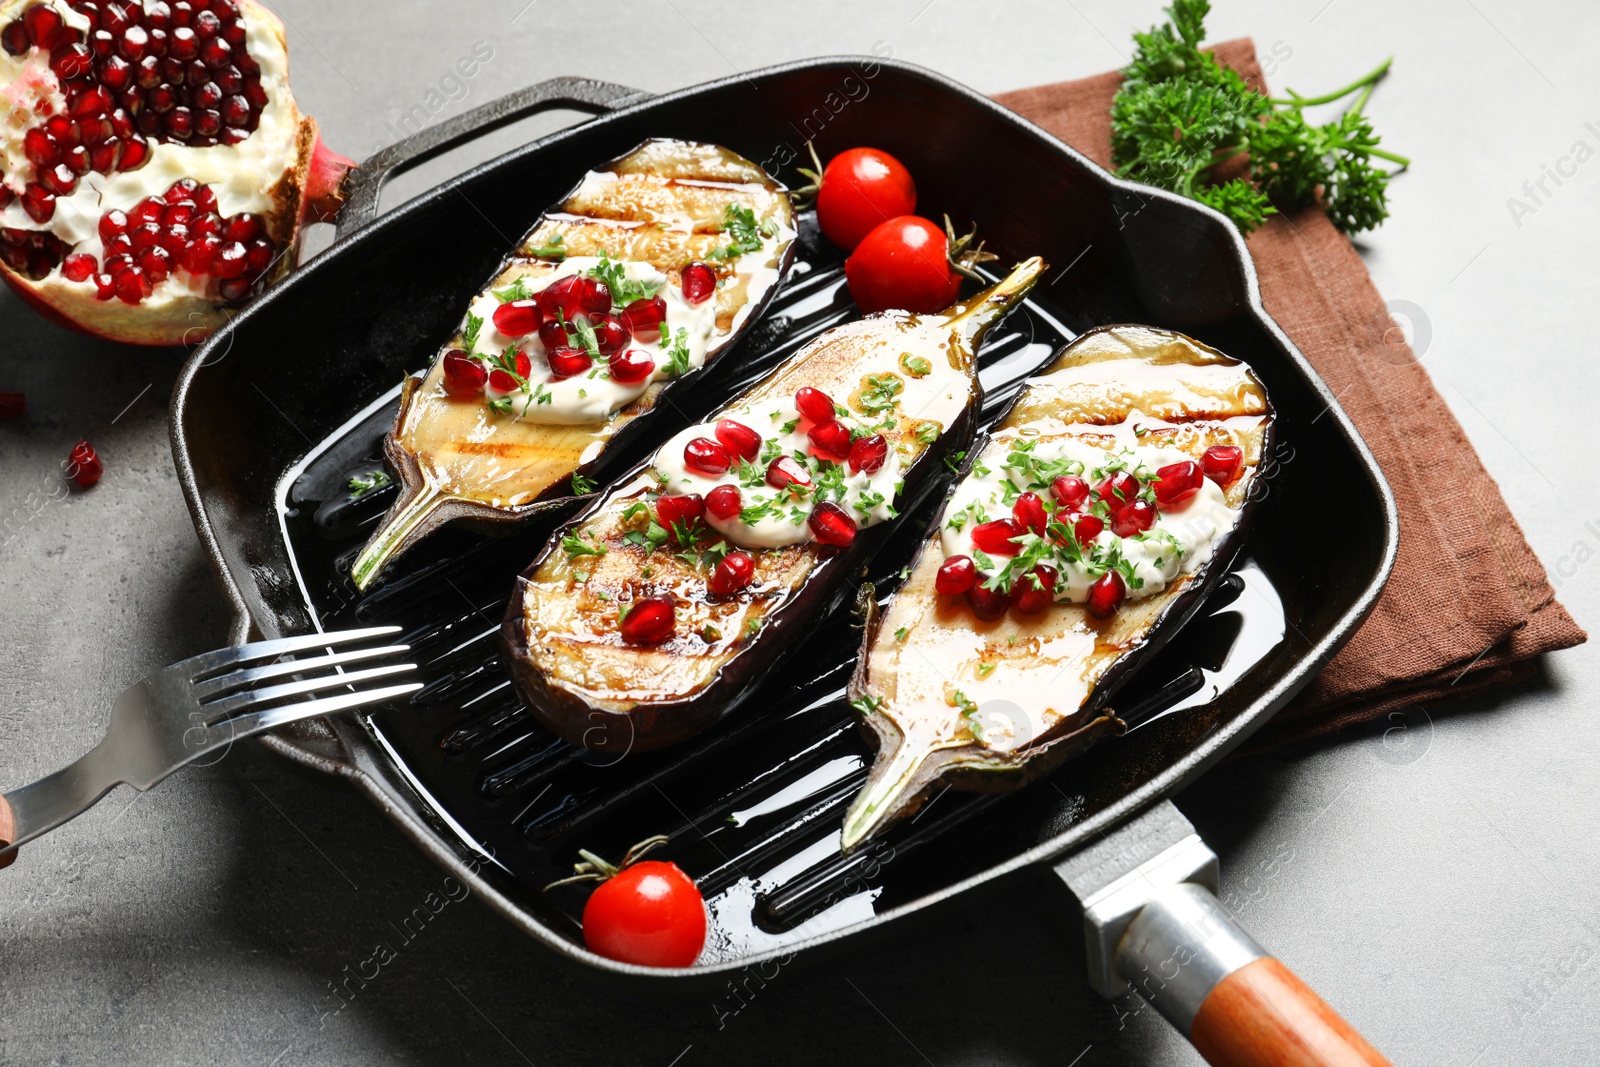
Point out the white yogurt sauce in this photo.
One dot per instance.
(1180, 541)
(774, 518)
(592, 396)
(244, 176)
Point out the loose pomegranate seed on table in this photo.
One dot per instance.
(463, 375)
(867, 454)
(699, 282)
(725, 501)
(706, 456)
(649, 621)
(814, 404)
(1132, 519)
(1106, 595)
(831, 440)
(995, 537)
(84, 465)
(738, 439)
(1222, 463)
(734, 573)
(830, 525)
(956, 575)
(1035, 590)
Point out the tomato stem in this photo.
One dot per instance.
(595, 869)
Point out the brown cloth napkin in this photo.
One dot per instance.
(1468, 607)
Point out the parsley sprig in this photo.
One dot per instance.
(1180, 114)
(743, 231)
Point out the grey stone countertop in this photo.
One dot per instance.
(1445, 894)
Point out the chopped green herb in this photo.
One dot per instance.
(868, 705)
(915, 366)
(624, 290)
(362, 484)
(744, 232)
(677, 353)
(469, 336)
(880, 392)
(517, 290)
(900, 634)
(581, 486)
(575, 545)
(928, 433)
(555, 248)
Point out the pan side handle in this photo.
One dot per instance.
(1240, 1007)
(364, 185)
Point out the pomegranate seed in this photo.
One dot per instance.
(226, 10)
(725, 501)
(1177, 482)
(132, 285)
(733, 573)
(1035, 590)
(567, 362)
(197, 260)
(1134, 518)
(956, 575)
(649, 621)
(686, 508)
(105, 287)
(216, 53)
(145, 235)
(609, 334)
(786, 471)
(502, 382)
(831, 440)
(1222, 463)
(1070, 492)
(995, 537)
(631, 366)
(157, 14)
(147, 210)
(179, 123)
(867, 454)
(463, 375)
(705, 456)
(183, 43)
(206, 23)
(241, 228)
(76, 159)
(15, 38)
(235, 110)
(45, 26)
(115, 18)
(1119, 488)
(208, 224)
(814, 404)
(135, 153)
(1085, 528)
(262, 253)
(830, 525)
(644, 317)
(230, 260)
(41, 148)
(116, 264)
(518, 318)
(553, 298)
(71, 61)
(37, 201)
(156, 262)
(59, 179)
(1106, 595)
(739, 439)
(176, 239)
(78, 267)
(103, 157)
(182, 13)
(83, 462)
(236, 289)
(205, 200)
(13, 405)
(207, 123)
(1029, 510)
(988, 603)
(699, 282)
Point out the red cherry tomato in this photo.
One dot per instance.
(903, 263)
(649, 913)
(861, 188)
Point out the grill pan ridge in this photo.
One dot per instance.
(753, 805)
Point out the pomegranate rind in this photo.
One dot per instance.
(309, 190)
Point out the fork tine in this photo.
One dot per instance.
(257, 721)
(206, 663)
(230, 706)
(204, 691)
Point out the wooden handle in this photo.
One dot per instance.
(1263, 1015)
(8, 832)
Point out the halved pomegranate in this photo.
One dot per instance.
(154, 169)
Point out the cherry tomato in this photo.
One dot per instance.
(861, 188)
(649, 913)
(903, 263)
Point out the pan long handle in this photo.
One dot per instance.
(1240, 1007)
(366, 183)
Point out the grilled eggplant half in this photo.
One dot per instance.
(648, 270)
(650, 616)
(1081, 534)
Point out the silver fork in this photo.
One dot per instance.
(198, 707)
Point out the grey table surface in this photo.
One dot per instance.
(1441, 887)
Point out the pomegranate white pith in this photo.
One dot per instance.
(153, 166)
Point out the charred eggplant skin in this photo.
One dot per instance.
(1095, 719)
(421, 508)
(618, 725)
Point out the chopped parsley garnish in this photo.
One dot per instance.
(469, 336)
(928, 433)
(574, 545)
(624, 290)
(867, 705)
(517, 290)
(555, 248)
(362, 484)
(900, 634)
(677, 353)
(954, 462)
(880, 392)
(743, 231)
(581, 486)
(915, 366)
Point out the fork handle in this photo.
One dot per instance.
(37, 809)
